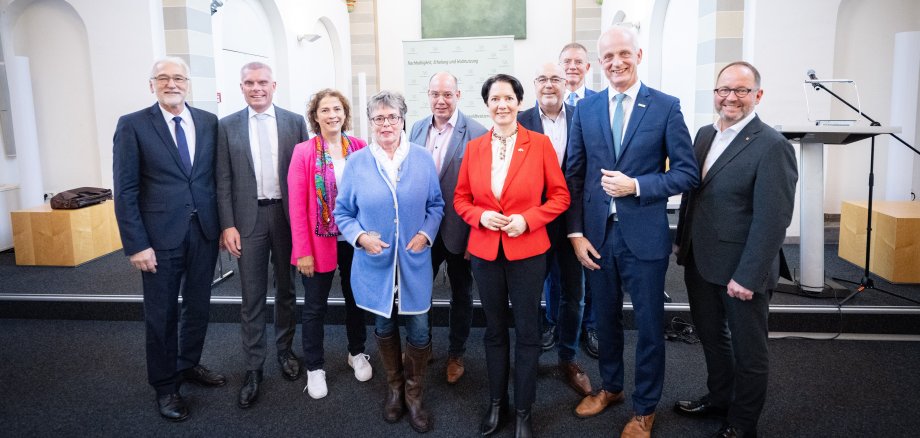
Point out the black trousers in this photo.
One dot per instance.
(734, 338)
(175, 333)
(315, 303)
(461, 294)
(521, 282)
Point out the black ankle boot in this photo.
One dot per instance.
(495, 417)
(522, 427)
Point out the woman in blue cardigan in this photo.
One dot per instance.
(389, 207)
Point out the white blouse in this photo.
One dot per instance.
(502, 152)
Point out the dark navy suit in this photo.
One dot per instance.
(634, 245)
(565, 289)
(160, 205)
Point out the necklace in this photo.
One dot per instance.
(504, 142)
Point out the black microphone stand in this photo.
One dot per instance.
(866, 281)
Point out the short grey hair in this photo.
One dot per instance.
(574, 45)
(256, 65)
(170, 60)
(390, 99)
(628, 30)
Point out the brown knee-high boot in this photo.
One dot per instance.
(416, 364)
(390, 354)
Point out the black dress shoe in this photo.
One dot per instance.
(522, 427)
(730, 431)
(495, 417)
(290, 365)
(548, 338)
(172, 407)
(249, 392)
(701, 408)
(591, 343)
(200, 375)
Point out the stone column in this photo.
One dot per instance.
(719, 42)
(187, 26)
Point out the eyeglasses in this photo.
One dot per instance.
(555, 80)
(448, 95)
(380, 120)
(163, 80)
(740, 92)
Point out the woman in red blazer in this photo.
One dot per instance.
(318, 246)
(510, 186)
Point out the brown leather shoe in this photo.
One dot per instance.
(596, 403)
(576, 377)
(639, 426)
(454, 369)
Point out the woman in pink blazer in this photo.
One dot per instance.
(318, 246)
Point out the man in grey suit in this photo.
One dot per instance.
(445, 134)
(728, 240)
(254, 148)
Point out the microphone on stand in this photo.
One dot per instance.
(811, 75)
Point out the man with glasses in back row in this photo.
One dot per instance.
(445, 134)
(165, 204)
(564, 302)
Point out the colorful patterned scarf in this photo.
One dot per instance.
(326, 189)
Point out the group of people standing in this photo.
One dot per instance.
(577, 196)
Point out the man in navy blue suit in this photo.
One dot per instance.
(166, 208)
(565, 292)
(620, 141)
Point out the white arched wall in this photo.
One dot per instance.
(63, 89)
(678, 56)
(268, 31)
(233, 48)
(120, 53)
(864, 52)
(319, 61)
(323, 63)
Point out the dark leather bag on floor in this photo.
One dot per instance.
(80, 197)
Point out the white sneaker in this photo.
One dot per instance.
(316, 384)
(363, 370)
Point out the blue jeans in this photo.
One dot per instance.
(417, 332)
(564, 291)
